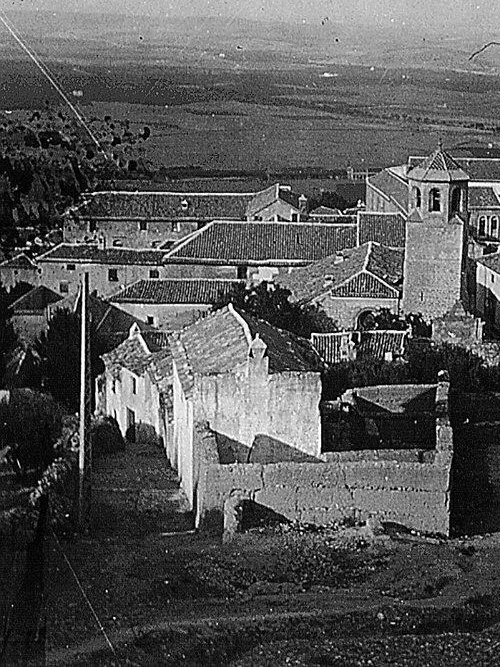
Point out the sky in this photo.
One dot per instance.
(420, 15)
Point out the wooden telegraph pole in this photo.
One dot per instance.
(85, 447)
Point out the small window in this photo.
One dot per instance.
(70, 267)
(456, 200)
(242, 273)
(134, 386)
(117, 243)
(492, 277)
(113, 275)
(417, 197)
(64, 287)
(150, 319)
(434, 200)
(113, 386)
(154, 273)
(421, 296)
(494, 225)
(184, 204)
(482, 225)
(143, 225)
(92, 226)
(295, 217)
(176, 226)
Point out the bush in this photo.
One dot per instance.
(106, 436)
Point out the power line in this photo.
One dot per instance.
(84, 595)
(51, 79)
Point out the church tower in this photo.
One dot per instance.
(436, 228)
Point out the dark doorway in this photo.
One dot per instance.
(130, 435)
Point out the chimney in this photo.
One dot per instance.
(302, 202)
(258, 363)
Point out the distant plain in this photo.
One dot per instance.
(254, 97)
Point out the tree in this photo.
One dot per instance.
(30, 423)
(271, 302)
(59, 349)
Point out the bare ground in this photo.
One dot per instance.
(130, 592)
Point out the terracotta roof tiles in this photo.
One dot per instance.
(177, 291)
(263, 242)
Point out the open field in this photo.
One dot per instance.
(271, 120)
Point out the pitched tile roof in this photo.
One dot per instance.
(20, 261)
(440, 167)
(179, 290)
(220, 343)
(88, 253)
(483, 197)
(143, 352)
(478, 169)
(266, 197)
(374, 344)
(389, 229)
(369, 270)
(165, 205)
(378, 343)
(263, 242)
(35, 300)
(391, 185)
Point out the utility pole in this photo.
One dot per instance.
(85, 447)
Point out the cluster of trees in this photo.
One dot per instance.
(47, 159)
(421, 365)
(268, 301)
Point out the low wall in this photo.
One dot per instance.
(416, 495)
(410, 488)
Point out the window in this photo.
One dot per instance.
(70, 267)
(150, 319)
(494, 225)
(242, 273)
(295, 217)
(134, 386)
(492, 277)
(456, 198)
(482, 225)
(64, 287)
(92, 226)
(417, 197)
(154, 273)
(434, 200)
(176, 226)
(113, 386)
(184, 204)
(113, 275)
(117, 243)
(143, 225)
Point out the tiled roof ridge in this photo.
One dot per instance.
(242, 322)
(22, 255)
(179, 193)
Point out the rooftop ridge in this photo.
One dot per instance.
(241, 321)
(179, 193)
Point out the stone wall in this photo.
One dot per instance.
(415, 493)
(433, 267)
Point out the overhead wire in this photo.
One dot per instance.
(46, 72)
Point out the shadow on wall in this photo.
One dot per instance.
(475, 485)
(142, 433)
(264, 449)
(255, 515)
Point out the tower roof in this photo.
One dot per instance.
(438, 167)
